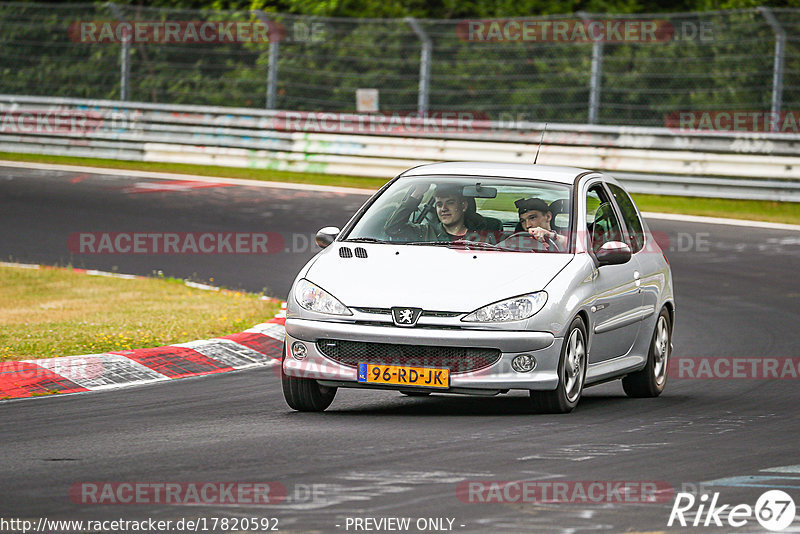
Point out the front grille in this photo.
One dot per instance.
(440, 314)
(386, 311)
(457, 359)
(418, 326)
(426, 313)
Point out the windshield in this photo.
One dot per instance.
(474, 212)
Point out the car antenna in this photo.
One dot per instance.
(535, 159)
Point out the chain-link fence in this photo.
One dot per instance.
(583, 68)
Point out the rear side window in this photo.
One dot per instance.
(630, 216)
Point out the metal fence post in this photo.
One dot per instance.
(124, 55)
(424, 65)
(777, 72)
(272, 68)
(596, 76)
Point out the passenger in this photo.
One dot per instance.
(534, 217)
(451, 211)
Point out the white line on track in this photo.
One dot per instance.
(720, 220)
(350, 190)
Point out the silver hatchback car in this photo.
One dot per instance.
(480, 278)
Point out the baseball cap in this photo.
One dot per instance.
(528, 204)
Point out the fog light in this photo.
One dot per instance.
(299, 350)
(523, 363)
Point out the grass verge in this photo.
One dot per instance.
(58, 312)
(757, 210)
(751, 210)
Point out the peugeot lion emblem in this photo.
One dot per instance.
(406, 316)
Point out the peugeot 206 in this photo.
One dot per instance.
(479, 279)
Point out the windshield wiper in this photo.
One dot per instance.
(365, 240)
(458, 243)
(467, 244)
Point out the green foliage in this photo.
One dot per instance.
(454, 9)
(322, 61)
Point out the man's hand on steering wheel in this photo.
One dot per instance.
(548, 238)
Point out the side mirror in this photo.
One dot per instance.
(613, 253)
(327, 235)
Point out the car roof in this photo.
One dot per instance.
(550, 173)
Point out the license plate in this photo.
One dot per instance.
(428, 377)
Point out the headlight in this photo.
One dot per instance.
(318, 300)
(514, 309)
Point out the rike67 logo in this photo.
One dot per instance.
(774, 510)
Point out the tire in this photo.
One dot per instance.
(650, 381)
(305, 394)
(571, 374)
(416, 393)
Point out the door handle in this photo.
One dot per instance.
(637, 278)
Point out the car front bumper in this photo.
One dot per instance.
(500, 376)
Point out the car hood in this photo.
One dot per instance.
(431, 278)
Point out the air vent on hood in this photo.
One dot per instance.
(361, 252)
(345, 252)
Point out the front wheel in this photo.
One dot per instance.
(571, 374)
(305, 394)
(650, 381)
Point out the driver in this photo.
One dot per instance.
(451, 208)
(534, 217)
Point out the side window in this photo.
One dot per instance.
(630, 217)
(602, 222)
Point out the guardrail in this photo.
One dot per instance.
(648, 160)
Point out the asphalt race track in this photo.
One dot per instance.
(382, 455)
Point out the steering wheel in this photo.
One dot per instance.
(526, 241)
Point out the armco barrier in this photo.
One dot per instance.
(649, 160)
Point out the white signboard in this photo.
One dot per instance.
(366, 100)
